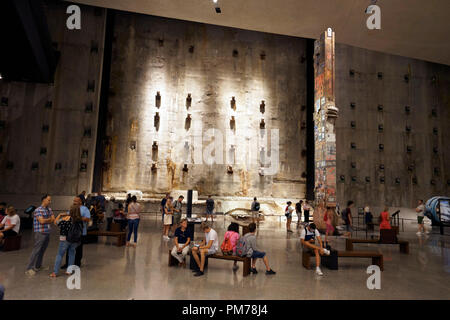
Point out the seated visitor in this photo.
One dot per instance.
(251, 250)
(384, 219)
(10, 224)
(230, 241)
(182, 240)
(119, 217)
(109, 212)
(209, 246)
(71, 230)
(308, 239)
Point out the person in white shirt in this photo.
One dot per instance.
(209, 246)
(10, 225)
(420, 217)
(288, 213)
(308, 238)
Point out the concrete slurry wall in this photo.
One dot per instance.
(213, 64)
(426, 91)
(45, 124)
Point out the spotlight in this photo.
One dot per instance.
(1, 76)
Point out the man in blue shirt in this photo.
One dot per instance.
(86, 217)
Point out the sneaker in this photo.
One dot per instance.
(195, 270)
(235, 267)
(43, 269)
(166, 238)
(199, 274)
(253, 270)
(427, 232)
(326, 252)
(419, 233)
(270, 272)
(290, 231)
(30, 272)
(319, 272)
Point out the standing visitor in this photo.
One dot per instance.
(368, 217)
(420, 217)
(163, 208)
(384, 219)
(127, 202)
(306, 209)
(182, 240)
(328, 217)
(109, 212)
(177, 206)
(85, 218)
(288, 213)
(298, 211)
(43, 217)
(71, 229)
(133, 216)
(348, 218)
(209, 246)
(255, 209)
(82, 196)
(209, 208)
(9, 225)
(168, 218)
(120, 217)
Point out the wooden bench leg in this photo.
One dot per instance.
(305, 259)
(246, 268)
(378, 261)
(121, 240)
(404, 247)
(172, 260)
(348, 245)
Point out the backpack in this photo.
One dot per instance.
(257, 206)
(325, 217)
(226, 247)
(241, 247)
(75, 232)
(344, 215)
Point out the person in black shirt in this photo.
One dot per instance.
(298, 210)
(209, 208)
(182, 238)
(82, 196)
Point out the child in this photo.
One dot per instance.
(253, 252)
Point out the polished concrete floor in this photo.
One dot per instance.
(111, 272)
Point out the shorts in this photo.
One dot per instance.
(330, 228)
(348, 228)
(209, 211)
(258, 254)
(211, 251)
(288, 215)
(9, 233)
(168, 219)
(176, 219)
(420, 220)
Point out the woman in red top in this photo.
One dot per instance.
(384, 216)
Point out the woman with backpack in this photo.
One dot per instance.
(230, 241)
(133, 216)
(71, 229)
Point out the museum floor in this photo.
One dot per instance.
(112, 272)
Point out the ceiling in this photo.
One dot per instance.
(412, 28)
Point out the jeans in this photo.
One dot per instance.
(133, 225)
(41, 241)
(63, 247)
(108, 223)
(78, 253)
(2, 292)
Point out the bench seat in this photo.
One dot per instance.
(121, 236)
(404, 245)
(377, 258)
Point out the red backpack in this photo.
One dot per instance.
(325, 217)
(227, 247)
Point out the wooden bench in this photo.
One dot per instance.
(121, 236)
(246, 261)
(387, 236)
(12, 243)
(377, 258)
